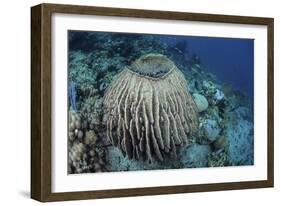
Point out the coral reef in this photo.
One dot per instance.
(195, 155)
(239, 132)
(221, 143)
(210, 129)
(75, 126)
(218, 158)
(92, 110)
(201, 102)
(149, 109)
(219, 95)
(84, 155)
(189, 156)
(72, 95)
(97, 60)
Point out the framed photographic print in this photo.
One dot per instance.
(130, 102)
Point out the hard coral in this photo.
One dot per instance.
(201, 102)
(149, 109)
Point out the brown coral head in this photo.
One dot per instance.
(149, 108)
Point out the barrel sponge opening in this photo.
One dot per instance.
(152, 65)
(150, 111)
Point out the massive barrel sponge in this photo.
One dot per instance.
(149, 109)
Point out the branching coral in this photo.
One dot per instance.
(149, 109)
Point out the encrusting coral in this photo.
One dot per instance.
(149, 109)
(75, 126)
(84, 155)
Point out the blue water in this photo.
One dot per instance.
(230, 59)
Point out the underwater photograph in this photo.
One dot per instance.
(152, 102)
